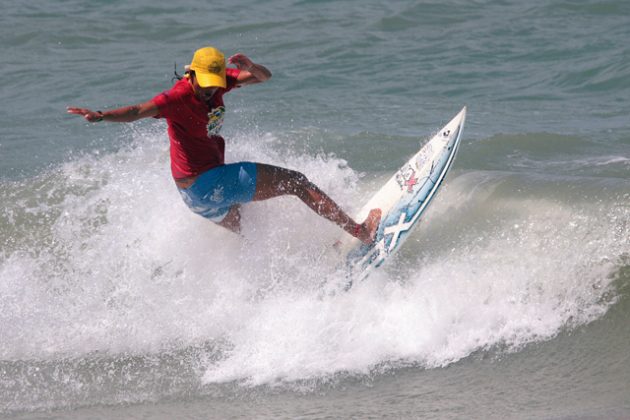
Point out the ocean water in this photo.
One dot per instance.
(510, 300)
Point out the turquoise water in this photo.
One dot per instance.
(511, 300)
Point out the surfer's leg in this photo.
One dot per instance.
(232, 219)
(217, 193)
(274, 181)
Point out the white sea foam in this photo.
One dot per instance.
(521, 285)
(123, 266)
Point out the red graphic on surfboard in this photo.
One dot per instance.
(406, 178)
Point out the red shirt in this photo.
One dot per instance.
(193, 127)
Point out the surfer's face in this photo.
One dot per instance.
(205, 94)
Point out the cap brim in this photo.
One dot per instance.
(210, 80)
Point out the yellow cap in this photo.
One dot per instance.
(209, 66)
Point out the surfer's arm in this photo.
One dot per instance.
(124, 114)
(250, 72)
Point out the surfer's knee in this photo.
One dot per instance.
(282, 177)
(298, 178)
(299, 184)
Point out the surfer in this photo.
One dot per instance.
(194, 112)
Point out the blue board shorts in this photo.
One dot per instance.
(215, 191)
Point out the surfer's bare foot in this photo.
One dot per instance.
(370, 226)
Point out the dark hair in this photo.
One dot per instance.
(178, 76)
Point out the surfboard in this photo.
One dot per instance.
(403, 200)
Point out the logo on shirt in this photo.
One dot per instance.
(215, 120)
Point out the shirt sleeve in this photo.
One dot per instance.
(168, 102)
(163, 101)
(231, 78)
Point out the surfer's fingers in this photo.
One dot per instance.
(89, 115)
(240, 60)
(238, 57)
(78, 111)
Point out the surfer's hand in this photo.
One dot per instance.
(241, 61)
(250, 71)
(90, 116)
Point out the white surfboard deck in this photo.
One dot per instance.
(403, 200)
